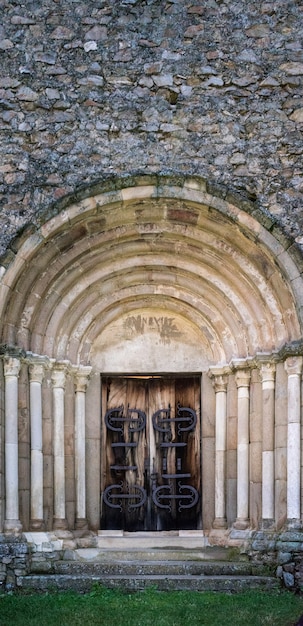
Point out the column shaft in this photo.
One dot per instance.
(267, 372)
(11, 373)
(243, 381)
(36, 376)
(81, 381)
(220, 386)
(293, 366)
(58, 380)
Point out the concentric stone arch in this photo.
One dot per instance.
(140, 278)
(152, 245)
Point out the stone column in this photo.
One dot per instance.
(243, 381)
(220, 387)
(267, 372)
(11, 373)
(36, 375)
(81, 381)
(293, 367)
(58, 382)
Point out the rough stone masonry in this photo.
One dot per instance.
(91, 89)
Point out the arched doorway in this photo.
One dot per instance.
(158, 278)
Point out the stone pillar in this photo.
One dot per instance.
(36, 375)
(220, 387)
(58, 382)
(242, 379)
(81, 380)
(293, 367)
(267, 372)
(11, 373)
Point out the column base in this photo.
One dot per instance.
(267, 524)
(60, 524)
(81, 523)
(37, 525)
(241, 524)
(12, 526)
(294, 524)
(220, 522)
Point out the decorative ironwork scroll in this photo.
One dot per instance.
(113, 496)
(186, 419)
(129, 463)
(115, 419)
(163, 496)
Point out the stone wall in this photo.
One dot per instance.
(92, 89)
(51, 555)
(14, 561)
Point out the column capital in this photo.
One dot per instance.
(220, 382)
(242, 378)
(293, 365)
(267, 372)
(36, 372)
(59, 371)
(11, 366)
(81, 377)
(219, 377)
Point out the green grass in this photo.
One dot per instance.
(151, 608)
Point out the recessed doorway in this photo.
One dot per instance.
(151, 453)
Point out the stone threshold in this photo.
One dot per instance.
(182, 539)
(72, 540)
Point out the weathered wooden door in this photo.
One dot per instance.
(151, 453)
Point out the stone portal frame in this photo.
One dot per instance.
(166, 245)
(265, 507)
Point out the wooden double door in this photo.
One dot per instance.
(151, 466)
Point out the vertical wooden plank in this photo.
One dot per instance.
(135, 456)
(130, 394)
(103, 442)
(115, 391)
(161, 396)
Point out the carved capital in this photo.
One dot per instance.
(36, 372)
(11, 366)
(293, 365)
(242, 378)
(220, 383)
(59, 378)
(81, 378)
(219, 377)
(267, 372)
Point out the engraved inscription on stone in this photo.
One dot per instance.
(166, 327)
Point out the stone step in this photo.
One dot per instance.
(151, 568)
(190, 540)
(210, 553)
(162, 582)
(212, 568)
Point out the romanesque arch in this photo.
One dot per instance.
(151, 277)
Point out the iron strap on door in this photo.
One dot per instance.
(164, 496)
